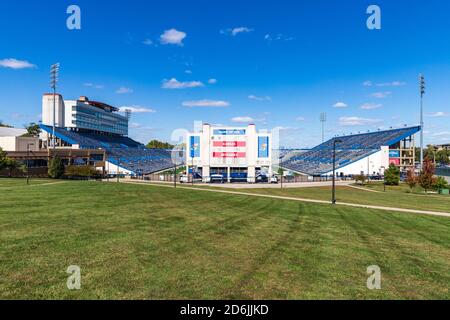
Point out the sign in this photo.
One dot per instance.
(394, 154)
(395, 161)
(194, 147)
(263, 147)
(229, 154)
(230, 132)
(229, 144)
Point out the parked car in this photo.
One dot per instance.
(274, 180)
(184, 179)
(262, 178)
(217, 178)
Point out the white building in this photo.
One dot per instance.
(236, 153)
(83, 114)
(11, 139)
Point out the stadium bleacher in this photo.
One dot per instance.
(120, 150)
(319, 160)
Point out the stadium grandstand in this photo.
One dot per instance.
(84, 124)
(368, 153)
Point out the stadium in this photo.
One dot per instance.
(84, 124)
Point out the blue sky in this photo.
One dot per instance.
(273, 63)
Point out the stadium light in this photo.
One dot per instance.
(54, 72)
(333, 195)
(422, 93)
(323, 119)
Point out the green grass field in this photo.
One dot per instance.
(148, 242)
(398, 196)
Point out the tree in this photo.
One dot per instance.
(156, 144)
(33, 130)
(12, 164)
(426, 178)
(3, 159)
(440, 183)
(392, 175)
(56, 168)
(443, 157)
(4, 124)
(411, 178)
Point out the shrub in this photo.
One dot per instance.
(426, 178)
(360, 178)
(56, 168)
(392, 175)
(411, 178)
(440, 183)
(81, 171)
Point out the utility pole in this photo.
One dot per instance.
(281, 167)
(28, 162)
(54, 72)
(323, 119)
(175, 176)
(422, 93)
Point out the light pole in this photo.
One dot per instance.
(323, 119)
(54, 72)
(28, 162)
(333, 195)
(384, 178)
(175, 176)
(422, 93)
(281, 167)
(118, 170)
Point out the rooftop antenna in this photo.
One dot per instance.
(54, 72)
(323, 119)
(422, 93)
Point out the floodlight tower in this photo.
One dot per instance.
(422, 93)
(323, 119)
(54, 72)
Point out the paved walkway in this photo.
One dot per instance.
(392, 209)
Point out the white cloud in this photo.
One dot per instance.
(148, 42)
(439, 114)
(371, 106)
(441, 134)
(96, 86)
(256, 98)
(212, 81)
(244, 119)
(367, 83)
(278, 37)
(175, 84)
(340, 105)
(16, 64)
(173, 36)
(188, 71)
(300, 119)
(123, 90)
(357, 121)
(381, 95)
(391, 84)
(235, 31)
(136, 109)
(206, 103)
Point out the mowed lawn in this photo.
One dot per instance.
(398, 196)
(148, 242)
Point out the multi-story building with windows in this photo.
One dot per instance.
(236, 154)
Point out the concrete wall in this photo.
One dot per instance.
(369, 165)
(19, 143)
